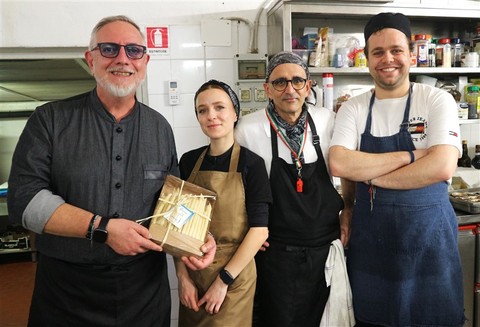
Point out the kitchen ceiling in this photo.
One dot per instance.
(43, 80)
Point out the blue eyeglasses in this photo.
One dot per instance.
(111, 50)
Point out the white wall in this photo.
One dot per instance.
(62, 28)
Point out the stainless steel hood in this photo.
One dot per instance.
(25, 81)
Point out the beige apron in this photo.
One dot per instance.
(229, 225)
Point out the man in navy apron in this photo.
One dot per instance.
(293, 140)
(400, 143)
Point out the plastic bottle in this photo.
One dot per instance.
(421, 45)
(360, 59)
(327, 83)
(476, 159)
(472, 99)
(465, 160)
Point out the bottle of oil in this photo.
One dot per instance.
(465, 160)
(476, 159)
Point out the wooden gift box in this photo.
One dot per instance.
(181, 218)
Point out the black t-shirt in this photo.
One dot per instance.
(254, 175)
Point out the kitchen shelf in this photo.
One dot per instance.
(413, 70)
(468, 121)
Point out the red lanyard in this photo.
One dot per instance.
(298, 163)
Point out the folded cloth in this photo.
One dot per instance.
(339, 308)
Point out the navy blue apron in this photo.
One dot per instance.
(291, 282)
(403, 258)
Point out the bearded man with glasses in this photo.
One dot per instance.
(306, 216)
(84, 170)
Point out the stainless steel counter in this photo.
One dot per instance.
(465, 218)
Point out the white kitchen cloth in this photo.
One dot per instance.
(339, 308)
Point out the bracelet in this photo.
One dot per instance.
(226, 277)
(412, 156)
(91, 227)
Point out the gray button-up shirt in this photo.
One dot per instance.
(74, 151)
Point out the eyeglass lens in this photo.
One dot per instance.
(280, 84)
(111, 50)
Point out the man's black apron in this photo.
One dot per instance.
(133, 294)
(292, 287)
(403, 259)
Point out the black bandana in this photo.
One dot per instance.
(294, 134)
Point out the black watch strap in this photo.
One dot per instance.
(100, 234)
(91, 226)
(103, 223)
(226, 277)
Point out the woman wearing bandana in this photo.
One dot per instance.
(400, 143)
(222, 294)
(305, 218)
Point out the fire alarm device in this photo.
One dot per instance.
(173, 94)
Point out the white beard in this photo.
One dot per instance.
(118, 90)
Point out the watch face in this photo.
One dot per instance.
(99, 236)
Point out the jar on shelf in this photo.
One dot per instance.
(444, 53)
(421, 47)
(457, 51)
(472, 99)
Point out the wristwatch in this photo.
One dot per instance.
(100, 233)
(226, 277)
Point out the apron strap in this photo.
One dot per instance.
(197, 166)
(316, 144)
(234, 158)
(406, 112)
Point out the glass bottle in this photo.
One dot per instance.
(465, 160)
(457, 51)
(476, 159)
(431, 53)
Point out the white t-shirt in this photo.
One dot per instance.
(433, 118)
(253, 132)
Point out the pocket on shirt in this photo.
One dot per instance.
(153, 178)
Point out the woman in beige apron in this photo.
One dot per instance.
(222, 294)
